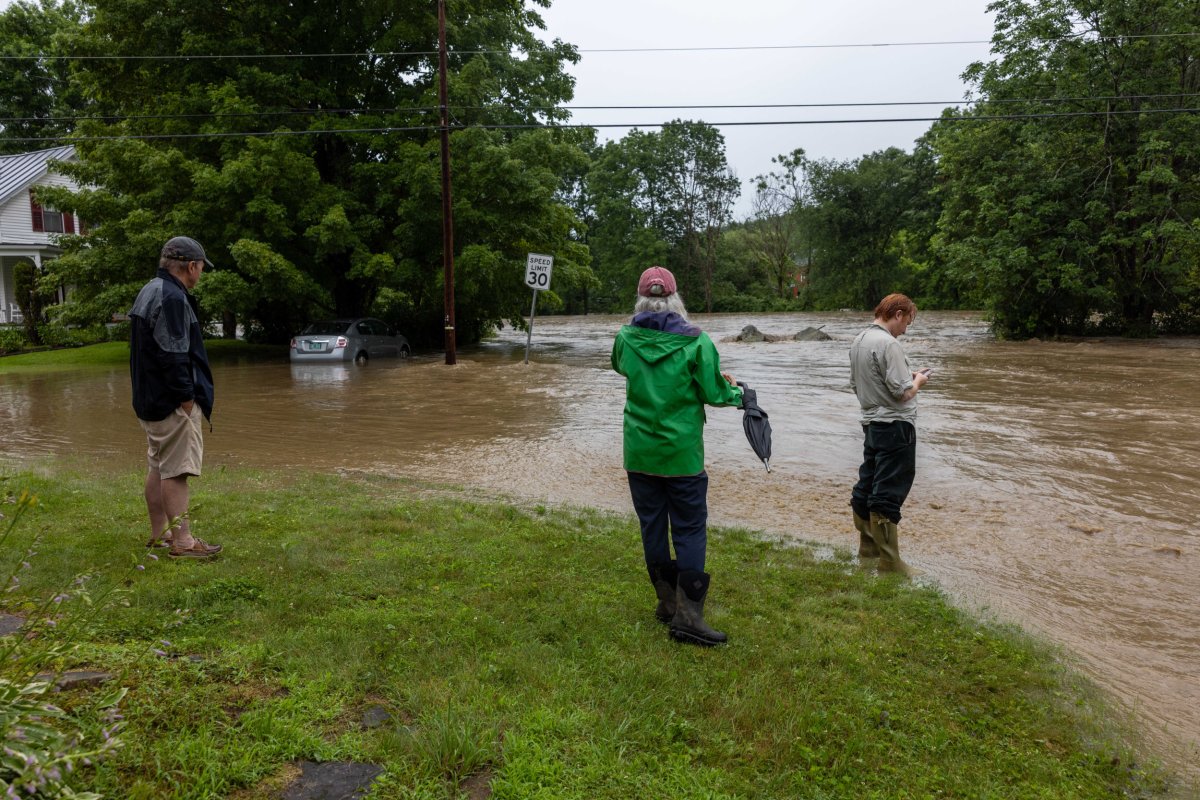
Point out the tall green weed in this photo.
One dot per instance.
(43, 745)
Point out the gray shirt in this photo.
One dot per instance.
(880, 374)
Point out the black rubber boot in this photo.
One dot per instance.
(664, 577)
(689, 625)
(866, 542)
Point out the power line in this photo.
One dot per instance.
(718, 48)
(484, 51)
(431, 109)
(874, 44)
(575, 126)
(226, 114)
(232, 56)
(871, 103)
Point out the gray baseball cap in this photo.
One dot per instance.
(185, 248)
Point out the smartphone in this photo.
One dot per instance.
(927, 371)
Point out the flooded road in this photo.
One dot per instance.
(1057, 483)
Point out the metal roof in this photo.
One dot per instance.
(18, 171)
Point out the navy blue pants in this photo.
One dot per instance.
(680, 503)
(888, 468)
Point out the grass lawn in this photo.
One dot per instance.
(111, 353)
(516, 648)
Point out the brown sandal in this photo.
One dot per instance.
(199, 549)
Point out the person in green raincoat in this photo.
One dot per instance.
(672, 371)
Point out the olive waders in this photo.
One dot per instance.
(866, 542)
(887, 537)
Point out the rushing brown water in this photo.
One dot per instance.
(1057, 484)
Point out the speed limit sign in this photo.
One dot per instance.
(537, 271)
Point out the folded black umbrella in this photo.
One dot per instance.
(756, 425)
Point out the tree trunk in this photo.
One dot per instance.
(1137, 308)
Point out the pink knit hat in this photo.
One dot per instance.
(656, 282)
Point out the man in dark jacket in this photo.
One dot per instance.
(172, 390)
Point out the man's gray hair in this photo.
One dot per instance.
(672, 302)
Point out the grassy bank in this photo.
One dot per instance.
(516, 648)
(114, 353)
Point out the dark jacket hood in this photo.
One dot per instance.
(665, 321)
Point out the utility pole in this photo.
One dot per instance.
(447, 214)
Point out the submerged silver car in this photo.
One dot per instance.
(356, 340)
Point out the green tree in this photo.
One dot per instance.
(738, 283)
(699, 192)
(660, 197)
(507, 205)
(781, 200)
(930, 282)
(629, 230)
(575, 193)
(328, 199)
(36, 92)
(1072, 222)
(861, 208)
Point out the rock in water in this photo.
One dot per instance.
(812, 335)
(750, 334)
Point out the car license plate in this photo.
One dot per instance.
(315, 346)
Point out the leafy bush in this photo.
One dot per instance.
(57, 336)
(42, 743)
(117, 332)
(12, 340)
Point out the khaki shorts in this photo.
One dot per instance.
(175, 445)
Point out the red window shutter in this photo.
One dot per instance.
(36, 210)
(68, 222)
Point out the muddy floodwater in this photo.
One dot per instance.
(1057, 482)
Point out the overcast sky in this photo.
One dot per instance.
(733, 77)
(835, 75)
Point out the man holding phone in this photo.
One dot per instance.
(886, 386)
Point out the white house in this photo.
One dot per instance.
(28, 232)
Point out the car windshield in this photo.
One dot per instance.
(327, 328)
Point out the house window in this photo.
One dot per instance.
(52, 221)
(49, 220)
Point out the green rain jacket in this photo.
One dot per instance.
(672, 370)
